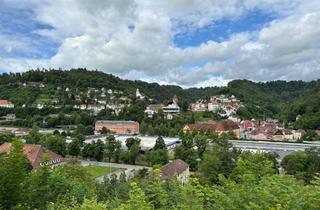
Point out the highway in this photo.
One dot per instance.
(282, 148)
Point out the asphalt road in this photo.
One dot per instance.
(282, 148)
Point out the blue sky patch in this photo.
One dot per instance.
(222, 30)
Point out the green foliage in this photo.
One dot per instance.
(137, 199)
(159, 153)
(160, 144)
(186, 152)
(302, 165)
(252, 167)
(97, 170)
(74, 147)
(13, 171)
(39, 189)
(220, 158)
(113, 189)
(156, 195)
(56, 143)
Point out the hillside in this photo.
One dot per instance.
(279, 99)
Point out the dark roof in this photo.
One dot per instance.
(278, 132)
(173, 168)
(122, 122)
(34, 153)
(224, 125)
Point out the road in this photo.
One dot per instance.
(282, 148)
(129, 170)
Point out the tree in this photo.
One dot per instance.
(186, 151)
(302, 165)
(220, 158)
(159, 153)
(98, 150)
(201, 142)
(117, 151)
(38, 190)
(74, 147)
(110, 147)
(252, 167)
(159, 156)
(157, 196)
(13, 171)
(131, 141)
(137, 199)
(104, 130)
(160, 144)
(34, 136)
(56, 143)
(133, 153)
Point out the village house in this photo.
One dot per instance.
(83, 106)
(9, 117)
(288, 135)
(118, 127)
(225, 106)
(6, 104)
(172, 109)
(259, 135)
(199, 106)
(35, 154)
(152, 109)
(21, 132)
(297, 134)
(96, 108)
(219, 127)
(248, 125)
(269, 127)
(177, 168)
(277, 135)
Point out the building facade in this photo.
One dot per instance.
(35, 154)
(219, 127)
(117, 127)
(6, 104)
(177, 168)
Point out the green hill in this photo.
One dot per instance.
(280, 99)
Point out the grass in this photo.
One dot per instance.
(96, 170)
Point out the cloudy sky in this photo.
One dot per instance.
(184, 42)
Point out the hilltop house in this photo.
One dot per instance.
(199, 106)
(118, 127)
(153, 108)
(177, 168)
(225, 106)
(172, 109)
(35, 154)
(6, 104)
(139, 95)
(219, 127)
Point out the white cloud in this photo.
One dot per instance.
(134, 39)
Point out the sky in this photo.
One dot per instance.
(191, 43)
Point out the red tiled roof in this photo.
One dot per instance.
(176, 167)
(34, 153)
(225, 125)
(5, 102)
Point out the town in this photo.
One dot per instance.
(147, 105)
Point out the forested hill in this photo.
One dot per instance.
(276, 98)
